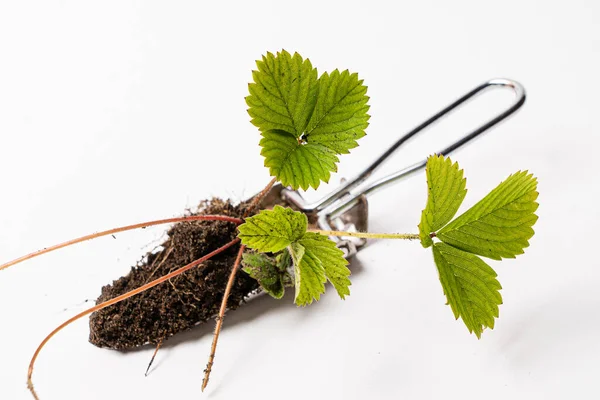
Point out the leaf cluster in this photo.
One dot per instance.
(306, 122)
(315, 258)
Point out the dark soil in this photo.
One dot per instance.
(184, 301)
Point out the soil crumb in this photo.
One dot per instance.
(182, 302)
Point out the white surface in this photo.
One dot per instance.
(114, 113)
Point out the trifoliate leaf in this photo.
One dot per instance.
(283, 94)
(332, 258)
(266, 271)
(500, 225)
(273, 230)
(305, 122)
(297, 165)
(470, 286)
(446, 192)
(309, 275)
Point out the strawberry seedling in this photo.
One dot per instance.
(215, 258)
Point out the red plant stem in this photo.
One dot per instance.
(259, 197)
(225, 218)
(117, 300)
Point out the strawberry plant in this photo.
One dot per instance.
(306, 122)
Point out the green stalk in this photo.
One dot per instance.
(369, 235)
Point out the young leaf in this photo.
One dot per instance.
(446, 192)
(273, 230)
(470, 286)
(309, 275)
(283, 94)
(315, 257)
(500, 225)
(284, 260)
(332, 258)
(305, 122)
(265, 270)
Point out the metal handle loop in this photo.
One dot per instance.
(344, 197)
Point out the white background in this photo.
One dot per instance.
(119, 112)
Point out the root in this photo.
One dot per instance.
(236, 221)
(160, 342)
(221, 316)
(117, 300)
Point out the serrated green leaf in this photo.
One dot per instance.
(315, 257)
(266, 271)
(470, 285)
(446, 192)
(309, 275)
(340, 115)
(283, 94)
(332, 259)
(273, 230)
(295, 165)
(305, 122)
(500, 225)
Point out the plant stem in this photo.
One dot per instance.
(256, 200)
(117, 300)
(369, 235)
(236, 221)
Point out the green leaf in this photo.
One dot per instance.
(500, 225)
(298, 166)
(266, 271)
(283, 94)
(273, 230)
(446, 192)
(470, 286)
(315, 257)
(309, 275)
(305, 122)
(283, 260)
(332, 259)
(340, 116)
